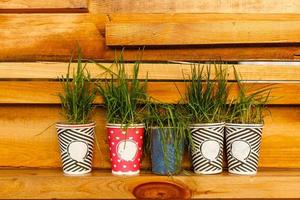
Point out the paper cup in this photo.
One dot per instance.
(164, 159)
(208, 141)
(125, 145)
(243, 146)
(76, 144)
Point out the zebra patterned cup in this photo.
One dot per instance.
(76, 144)
(207, 152)
(243, 146)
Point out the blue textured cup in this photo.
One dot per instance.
(171, 165)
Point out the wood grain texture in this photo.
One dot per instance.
(21, 126)
(46, 92)
(51, 184)
(36, 4)
(195, 6)
(155, 71)
(43, 36)
(189, 33)
(52, 37)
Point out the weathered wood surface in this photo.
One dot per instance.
(195, 6)
(22, 145)
(53, 36)
(51, 184)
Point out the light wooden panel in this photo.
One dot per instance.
(22, 145)
(35, 4)
(189, 33)
(45, 184)
(53, 36)
(43, 92)
(155, 71)
(195, 6)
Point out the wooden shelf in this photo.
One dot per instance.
(52, 184)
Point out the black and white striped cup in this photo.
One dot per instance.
(76, 144)
(207, 152)
(242, 147)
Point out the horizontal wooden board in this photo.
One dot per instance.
(24, 144)
(45, 35)
(189, 33)
(52, 37)
(195, 6)
(36, 4)
(51, 184)
(45, 92)
(155, 71)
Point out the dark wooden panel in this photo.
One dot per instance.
(36, 6)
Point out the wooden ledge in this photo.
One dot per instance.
(52, 184)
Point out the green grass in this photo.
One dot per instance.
(248, 107)
(123, 96)
(78, 95)
(207, 94)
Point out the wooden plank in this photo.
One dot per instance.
(51, 184)
(49, 37)
(189, 33)
(155, 71)
(22, 145)
(44, 92)
(45, 36)
(195, 6)
(35, 4)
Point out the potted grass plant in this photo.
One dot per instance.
(206, 98)
(76, 135)
(243, 131)
(167, 131)
(123, 97)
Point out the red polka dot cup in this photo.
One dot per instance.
(125, 145)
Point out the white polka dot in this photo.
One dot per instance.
(130, 138)
(114, 154)
(141, 137)
(134, 165)
(117, 138)
(119, 160)
(140, 148)
(112, 143)
(124, 132)
(115, 165)
(124, 166)
(137, 132)
(139, 159)
(111, 131)
(108, 137)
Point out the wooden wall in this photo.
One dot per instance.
(37, 37)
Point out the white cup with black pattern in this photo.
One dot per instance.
(76, 144)
(243, 143)
(207, 151)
